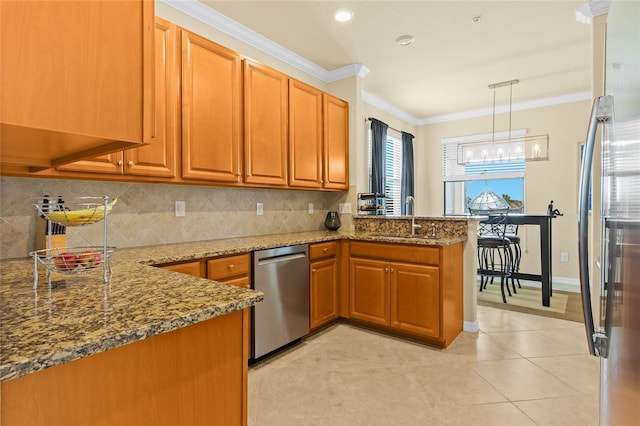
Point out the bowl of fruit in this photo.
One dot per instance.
(75, 211)
(76, 260)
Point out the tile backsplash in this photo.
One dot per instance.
(144, 214)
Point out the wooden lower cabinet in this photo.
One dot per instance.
(194, 375)
(414, 297)
(324, 291)
(412, 290)
(234, 270)
(195, 268)
(323, 283)
(369, 291)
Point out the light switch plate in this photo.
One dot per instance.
(181, 209)
(345, 208)
(259, 209)
(310, 208)
(564, 257)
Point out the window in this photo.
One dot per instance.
(393, 172)
(463, 182)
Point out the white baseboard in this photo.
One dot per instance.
(471, 327)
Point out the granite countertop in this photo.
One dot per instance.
(79, 315)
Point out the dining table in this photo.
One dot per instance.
(544, 222)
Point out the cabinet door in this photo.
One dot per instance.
(211, 100)
(336, 143)
(305, 135)
(415, 298)
(157, 158)
(108, 163)
(265, 125)
(369, 291)
(76, 78)
(324, 291)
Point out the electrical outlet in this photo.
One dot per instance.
(344, 208)
(181, 209)
(564, 257)
(310, 208)
(259, 209)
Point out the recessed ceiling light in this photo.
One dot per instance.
(405, 40)
(343, 15)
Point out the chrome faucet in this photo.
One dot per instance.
(410, 201)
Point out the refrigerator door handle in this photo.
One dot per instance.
(600, 112)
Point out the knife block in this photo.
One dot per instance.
(42, 241)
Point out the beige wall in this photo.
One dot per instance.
(555, 180)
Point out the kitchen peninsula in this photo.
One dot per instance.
(150, 343)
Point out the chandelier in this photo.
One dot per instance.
(512, 148)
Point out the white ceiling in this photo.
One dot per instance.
(452, 61)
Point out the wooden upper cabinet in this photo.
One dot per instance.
(336, 143)
(159, 157)
(211, 110)
(76, 78)
(265, 125)
(305, 135)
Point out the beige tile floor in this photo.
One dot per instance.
(520, 369)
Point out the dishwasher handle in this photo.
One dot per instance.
(281, 258)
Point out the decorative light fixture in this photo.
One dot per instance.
(343, 15)
(512, 148)
(405, 40)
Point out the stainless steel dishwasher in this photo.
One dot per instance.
(282, 274)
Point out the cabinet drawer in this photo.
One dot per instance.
(230, 266)
(320, 250)
(399, 252)
(195, 268)
(240, 282)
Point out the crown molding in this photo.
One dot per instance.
(217, 20)
(347, 71)
(591, 9)
(384, 106)
(538, 103)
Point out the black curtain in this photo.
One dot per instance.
(406, 183)
(378, 142)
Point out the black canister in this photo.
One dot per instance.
(332, 222)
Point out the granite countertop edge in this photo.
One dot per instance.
(136, 262)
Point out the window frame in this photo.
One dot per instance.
(395, 138)
(453, 172)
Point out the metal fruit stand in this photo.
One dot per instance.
(73, 212)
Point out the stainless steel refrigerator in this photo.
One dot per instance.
(614, 335)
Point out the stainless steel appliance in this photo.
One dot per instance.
(282, 274)
(615, 337)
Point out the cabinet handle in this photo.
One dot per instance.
(386, 269)
(231, 266)
(130, 163)
(326, 249)
(391, 269)
(313, 270)
(120, 163)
